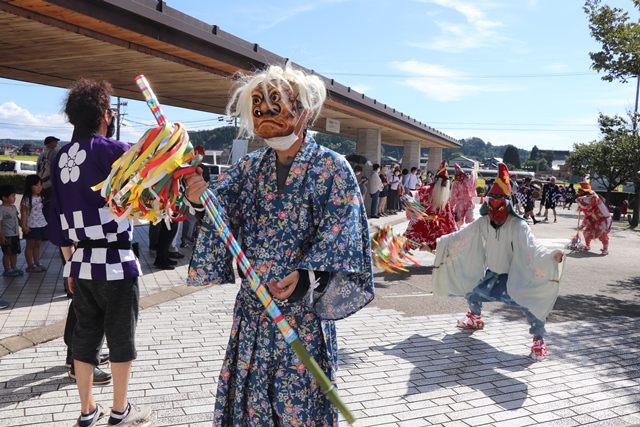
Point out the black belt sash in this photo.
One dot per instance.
(118, 244)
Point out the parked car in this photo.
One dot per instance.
(215, 170)
(19, 166)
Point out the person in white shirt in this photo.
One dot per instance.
(412, 179)
(393, 201)
(375, 186)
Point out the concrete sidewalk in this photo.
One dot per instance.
(39, 303)
(396, 370)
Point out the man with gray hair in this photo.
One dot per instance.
(304, 229)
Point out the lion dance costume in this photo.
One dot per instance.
(463, 190)
(597, 219)
(440, 219)
(497, 259)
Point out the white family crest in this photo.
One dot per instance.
(69, 162)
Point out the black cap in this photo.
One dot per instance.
(50, 139)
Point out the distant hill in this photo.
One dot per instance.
(21, 142)
(222, 137)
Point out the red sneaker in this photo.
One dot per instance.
(469, 321)
(538, 350)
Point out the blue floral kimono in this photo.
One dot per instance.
(318, 223)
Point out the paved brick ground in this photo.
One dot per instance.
(395, 370)
(39, 299)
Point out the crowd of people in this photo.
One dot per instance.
(310, 201)
(387, 186)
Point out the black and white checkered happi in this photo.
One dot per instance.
(100, 263)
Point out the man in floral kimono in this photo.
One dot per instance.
(301, 221)
(597, 218)
(496, 258)
(434, 198)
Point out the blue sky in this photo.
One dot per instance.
(508, 72)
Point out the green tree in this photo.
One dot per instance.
(620, 39)
(213, 139)
(536, 165)
(598, 159)
(337, 143)
(622, 135)
(511, 156)
(535, 153)
(620, 60)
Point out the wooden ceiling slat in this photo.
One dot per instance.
(47, 44)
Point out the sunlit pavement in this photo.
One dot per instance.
(396, 369)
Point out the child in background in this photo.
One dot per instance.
(32, 222)
(9, 232)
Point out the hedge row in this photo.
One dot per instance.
(14, 179)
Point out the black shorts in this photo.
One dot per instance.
(529, 206)
(105, 308)
(12, 247)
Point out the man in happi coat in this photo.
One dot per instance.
(596, 223)
(463, 190)
(496, 258)
(551, 194)
(434, 198)
(297, 211)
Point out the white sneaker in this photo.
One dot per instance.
(138, 416)
(99, 415)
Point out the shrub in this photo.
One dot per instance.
(14, 179)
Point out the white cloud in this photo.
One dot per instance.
(17, 122)
(281, 14)
(555, 67)
(476, 30)
(440, 83)
(286, 14)
(361, 88)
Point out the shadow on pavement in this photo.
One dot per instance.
(458, 359)
(622, 299)
(403, 275)
(33, 385)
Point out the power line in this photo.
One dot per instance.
(465, 77)
(511, 124)
(29, 125)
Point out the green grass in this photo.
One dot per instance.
(28, 158)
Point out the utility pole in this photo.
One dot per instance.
(120, 115)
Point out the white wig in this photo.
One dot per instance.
(309, 90)
(440, 194)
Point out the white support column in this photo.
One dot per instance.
(369, 144)
(435, 157)
(411, 154)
